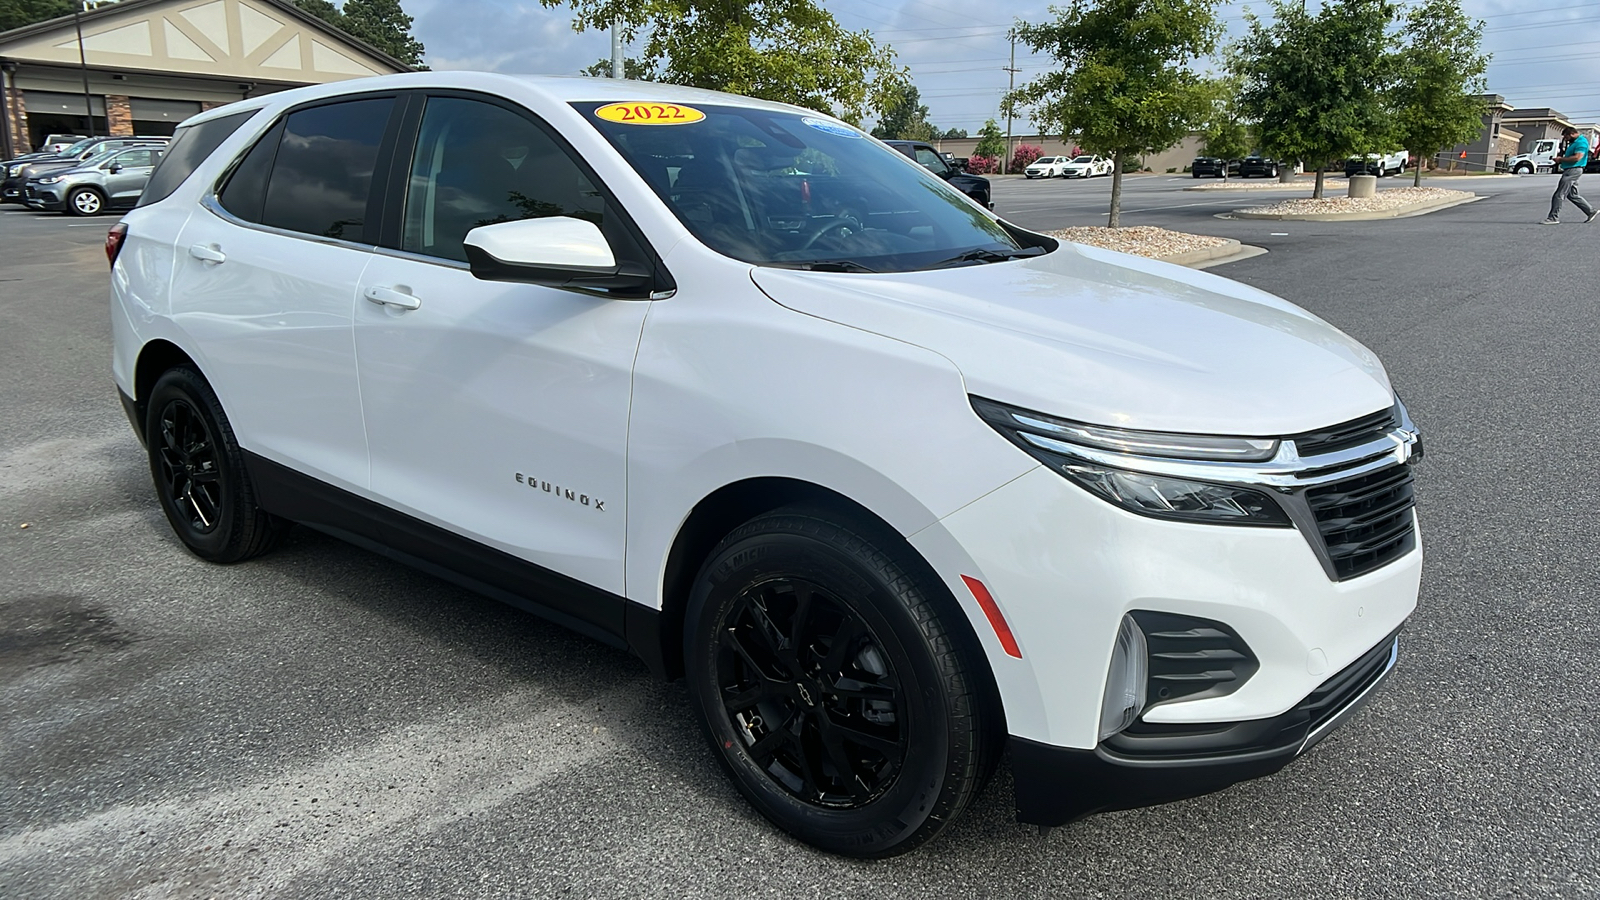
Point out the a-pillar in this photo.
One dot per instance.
(119, 115)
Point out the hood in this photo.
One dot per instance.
(1111, 339)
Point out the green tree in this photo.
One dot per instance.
(906, 119)
(991, 141)
(1224, 131)
(792, 51)
(17, 13)
(1125, 86)
(383, 24)
(1315, 83)
(325, 11)
(955, 134)
(1437, 96)
(632, 69)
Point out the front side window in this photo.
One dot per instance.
(477, 163)
(133, 159)
(931, 160)
(321, 176)
(786, 189)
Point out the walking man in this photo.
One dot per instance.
(1571, 166)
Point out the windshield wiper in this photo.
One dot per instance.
(834, 265)
(985, 255)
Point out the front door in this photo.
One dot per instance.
(497, 411)
(133, 168)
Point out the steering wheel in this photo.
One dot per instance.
(842, 223)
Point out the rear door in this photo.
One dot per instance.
(266, 278)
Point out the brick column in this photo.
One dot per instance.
(119, 115)
(17, 121)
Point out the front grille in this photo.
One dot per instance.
(1365, 522)
(1353, 433)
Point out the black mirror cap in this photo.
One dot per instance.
(115, 168)
(625, 280)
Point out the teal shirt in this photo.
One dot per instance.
(1580, 144)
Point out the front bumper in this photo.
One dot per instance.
(1056, 785)
(41, 198)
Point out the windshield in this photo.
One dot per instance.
(1084, 159)
(784, 189)
(77, 148)
(100, 156)
(1048, 160)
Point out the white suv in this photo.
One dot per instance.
(895, 485)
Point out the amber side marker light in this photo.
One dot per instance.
(114, 239)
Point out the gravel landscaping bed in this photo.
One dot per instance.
(1140, 240)
(1384, 200)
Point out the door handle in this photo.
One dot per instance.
(390, 297)
(208, 253)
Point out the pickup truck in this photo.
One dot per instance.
(1379, 164)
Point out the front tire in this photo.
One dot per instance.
(199, 472)
(830, 688)
(85, 202)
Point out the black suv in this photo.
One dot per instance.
(974, 186)
(1256, 164)
(1213, 167)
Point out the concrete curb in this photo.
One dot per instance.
(1204, 254)
(1245, 251)
(1410, 209)
(1263, 186)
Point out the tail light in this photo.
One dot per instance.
(114, 239)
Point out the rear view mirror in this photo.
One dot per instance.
(555, 251)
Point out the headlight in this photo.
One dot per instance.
(1059, 444)
(50, 179)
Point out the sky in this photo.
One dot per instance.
(957, 50)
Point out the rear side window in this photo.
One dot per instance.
(189, 148)
(321, 177)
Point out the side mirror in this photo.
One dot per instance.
(115, 168)
(555, 251)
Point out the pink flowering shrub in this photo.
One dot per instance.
(983, 165)
(1024, 156)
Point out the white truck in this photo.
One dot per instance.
(1542, 159)
(1379, 164)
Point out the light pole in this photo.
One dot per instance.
(616, 48)
(83, 64)
(1011, 80)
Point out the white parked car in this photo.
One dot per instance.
(896, 486)
(1047, 167)
(1086, 167)
(1379, 164)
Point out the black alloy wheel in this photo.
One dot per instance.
(199, 472)
(809, 684)
(830, 687)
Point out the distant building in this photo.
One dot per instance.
(1536, 124)
(153, 63)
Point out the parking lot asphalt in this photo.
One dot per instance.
(323, 723)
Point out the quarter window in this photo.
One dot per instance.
(476, 164)
(188, 150)
(321, 177)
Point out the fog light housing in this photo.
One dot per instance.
(1125, 681)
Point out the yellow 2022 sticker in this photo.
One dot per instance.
(649, 113)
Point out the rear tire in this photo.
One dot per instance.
(199, 472)
(830, 689)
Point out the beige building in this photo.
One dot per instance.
(150, 64)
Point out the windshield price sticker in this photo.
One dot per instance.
(649, 113)
(827, 127)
